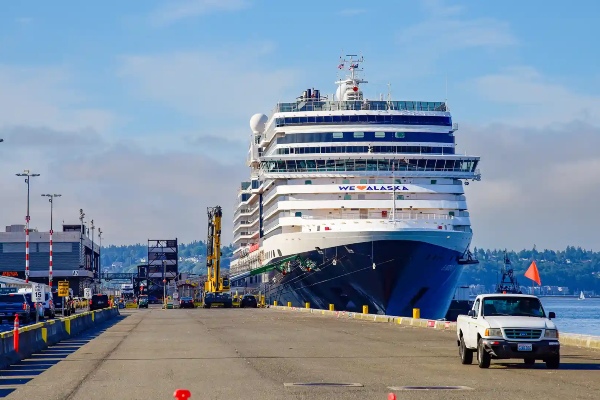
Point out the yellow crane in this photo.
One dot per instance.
(216, 287)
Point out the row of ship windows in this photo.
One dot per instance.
(367, 119)
(367, 149)
(325, 137)
(369, 165)
(371, 181)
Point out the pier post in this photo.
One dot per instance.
(290, 304)
(365, 309)
(307, 304)
(331, 308)
(416, 313)
(274, 303)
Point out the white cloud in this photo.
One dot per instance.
(445, 31)
(131, 194)
(349, 12)
(43, 97)
(538, 185)
(176, 10)
(538, 100)
(219, 87)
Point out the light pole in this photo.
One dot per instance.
(81, 252)
(100, 256)
(51, 200)
(92, 227)
(28, 177)
(164, 263)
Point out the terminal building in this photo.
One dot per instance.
(74, 257)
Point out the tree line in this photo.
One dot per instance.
(573, 267)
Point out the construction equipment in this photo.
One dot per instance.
(216, 287)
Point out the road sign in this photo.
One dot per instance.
(37, 294)
(63, 288)
(75, 273)
(175, 295)
(87, 293)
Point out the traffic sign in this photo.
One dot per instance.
(175, 295)
(87, 293)
(37, 294)
(63, 288)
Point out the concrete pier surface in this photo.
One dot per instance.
(277, 354)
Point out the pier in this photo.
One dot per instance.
(277, 353)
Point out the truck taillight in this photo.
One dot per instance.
(24, 306)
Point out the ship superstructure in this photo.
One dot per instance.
(354, 202)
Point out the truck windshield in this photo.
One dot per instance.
(514, 306)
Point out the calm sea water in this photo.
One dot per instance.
(575, 316)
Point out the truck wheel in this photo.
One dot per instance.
(553, 363)
(483, 357)
(529, 361)
(466, 355)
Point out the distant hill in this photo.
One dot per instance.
(573, 267)
(192, 257)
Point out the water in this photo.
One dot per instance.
(573, 315)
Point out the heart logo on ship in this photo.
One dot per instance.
(361, 187)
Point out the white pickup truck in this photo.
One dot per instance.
(503, 326)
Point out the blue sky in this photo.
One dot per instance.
(148, 101)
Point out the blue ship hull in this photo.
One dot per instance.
(407, 275)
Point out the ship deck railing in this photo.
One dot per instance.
(399, 216)
(377, 105)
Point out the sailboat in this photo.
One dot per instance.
(581, 296)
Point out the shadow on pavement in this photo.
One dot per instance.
(565, 366)
(25, 370)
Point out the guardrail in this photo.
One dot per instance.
(567, 339)
(33, 338)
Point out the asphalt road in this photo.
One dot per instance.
(254, 353)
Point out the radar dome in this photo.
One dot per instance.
(258, 122)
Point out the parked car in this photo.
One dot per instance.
(98, 302)
(248, 301)
(12, 304)
(143, 301)
(58, 304)
(186, 302)
(32, 307)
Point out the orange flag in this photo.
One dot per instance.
(533, 273)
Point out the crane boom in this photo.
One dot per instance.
(215, 284)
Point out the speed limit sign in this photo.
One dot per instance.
(37, 295)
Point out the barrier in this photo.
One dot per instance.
(20, 343)
(566, 339)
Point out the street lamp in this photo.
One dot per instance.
(100, 256)
(92, 227)
(81, 251)
(28, 177)
(164, 263)
(50, 199)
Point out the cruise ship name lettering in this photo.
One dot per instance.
(386, 188)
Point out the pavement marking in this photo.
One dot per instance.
(329, 384)
(429, 388)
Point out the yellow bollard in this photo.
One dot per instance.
(275, 303)
(289, 304)
(307, 304)
(416, 313)
(331, 308)
(365, 309)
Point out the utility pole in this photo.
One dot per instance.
(27, 218)
(100, 257)
(51, 200)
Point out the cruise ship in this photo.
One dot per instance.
(354, 202)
